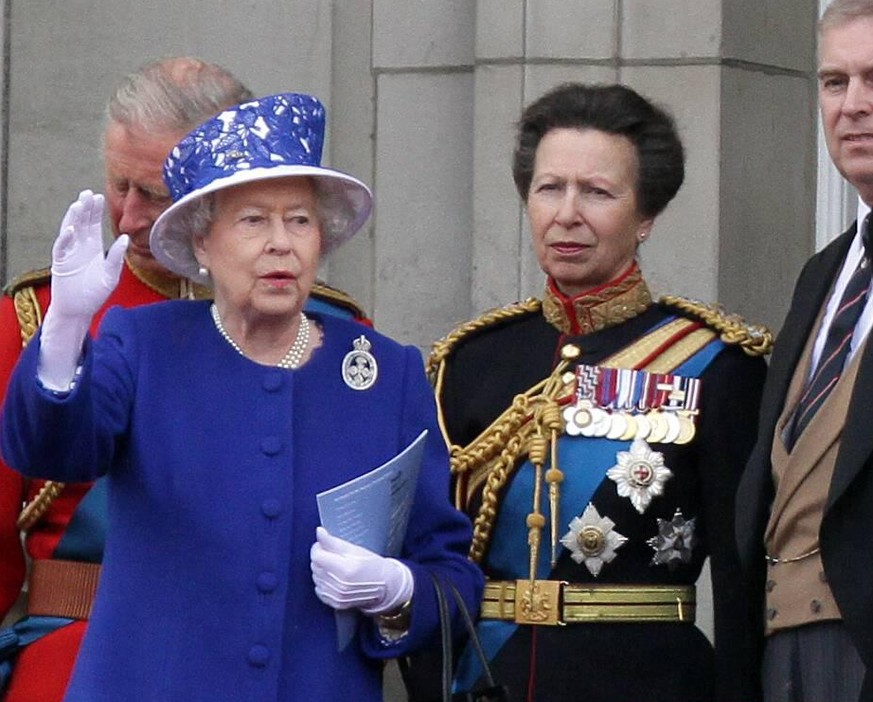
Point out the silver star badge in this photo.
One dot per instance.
(674, 542)
(592, 540)
(640, 474)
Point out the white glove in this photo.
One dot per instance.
(82, 279)
(348, 576)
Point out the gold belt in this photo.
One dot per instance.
(555, 602)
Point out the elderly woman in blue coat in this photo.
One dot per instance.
(218, 423)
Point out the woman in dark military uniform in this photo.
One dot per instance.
(598, 436)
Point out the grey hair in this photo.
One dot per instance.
(841, 12)
(335, 213)
(174, 95)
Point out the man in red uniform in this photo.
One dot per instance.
(63, 525)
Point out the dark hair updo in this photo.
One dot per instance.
(613, 109)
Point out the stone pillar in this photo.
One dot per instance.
(738, 81)
(65, 58)
(422, 61)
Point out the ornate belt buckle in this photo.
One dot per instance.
(538, 602)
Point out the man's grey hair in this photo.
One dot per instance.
(174, 95)
(840, 12)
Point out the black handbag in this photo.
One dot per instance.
(491, 692)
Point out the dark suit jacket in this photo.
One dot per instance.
(846, 534)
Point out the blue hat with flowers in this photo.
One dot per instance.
(277, 136)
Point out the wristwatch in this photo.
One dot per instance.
(394, 625)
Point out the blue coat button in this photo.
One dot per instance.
(271, 445)
(267, 582)
(271, 508)
(259, 655)
(272, 381)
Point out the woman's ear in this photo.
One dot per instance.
(644, 230)
(199, 250)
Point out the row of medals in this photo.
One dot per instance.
(664, 425)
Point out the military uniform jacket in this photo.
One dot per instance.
(623, 661)
(213, 464)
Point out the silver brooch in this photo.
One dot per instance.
(674, 541)
(640, 474)
(592, 540)
(359, 366)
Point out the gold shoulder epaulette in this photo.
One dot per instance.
(338, 297)
(22, 290)
(443, 347)
(753, 339)
(26, 280)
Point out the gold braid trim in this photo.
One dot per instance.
(753, 339)
(491, 457)
(338, 297)
(605, 307)
(171, 287)
(532, 423)
(443, 347)
(29, 315)
(36, 508)
(28, 312)
(436, 367)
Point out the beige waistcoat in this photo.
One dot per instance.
(797, 589)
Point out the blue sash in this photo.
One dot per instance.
(19, 635)
(314, 304)
(508, 555)
(83, 540)
(85, 536)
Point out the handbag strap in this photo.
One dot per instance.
(446, 635)
(445, 638)
(446, 643)
(472, 635)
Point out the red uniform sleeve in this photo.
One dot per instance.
(11, 483)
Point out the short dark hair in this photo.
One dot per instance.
(614, 109)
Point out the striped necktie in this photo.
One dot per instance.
(837, 343)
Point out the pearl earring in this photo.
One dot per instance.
(203, 272)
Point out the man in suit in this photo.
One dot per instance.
(805, 503)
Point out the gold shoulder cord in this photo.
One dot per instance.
(533, 421)
(435, 365)
(29, 318)
(531, 425)
(492, 454)
(753, 339)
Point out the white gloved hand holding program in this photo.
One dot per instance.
(347, 576)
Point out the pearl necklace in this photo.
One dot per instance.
(291, 359)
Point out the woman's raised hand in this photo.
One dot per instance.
(82, 280)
